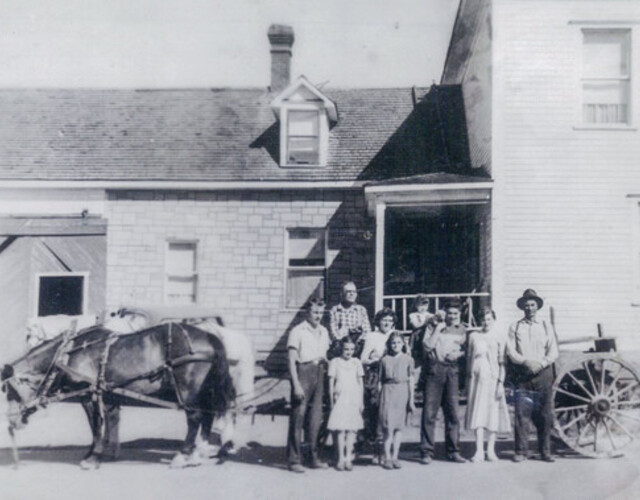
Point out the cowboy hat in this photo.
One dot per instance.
(529, 294)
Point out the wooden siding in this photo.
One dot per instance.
(565, 220)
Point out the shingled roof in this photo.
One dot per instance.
(223, 135)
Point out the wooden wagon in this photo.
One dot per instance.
(596, 398)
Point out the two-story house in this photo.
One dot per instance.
(552, 103)
(247, 200)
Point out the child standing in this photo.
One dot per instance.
(396, 398)
(487, 406)
(345, 395)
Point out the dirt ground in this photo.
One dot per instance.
(57, 438)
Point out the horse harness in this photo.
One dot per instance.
(98, 387)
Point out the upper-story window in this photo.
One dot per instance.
(303, 137)
(305, 115)
(606, 76)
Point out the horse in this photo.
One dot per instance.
(171, 365)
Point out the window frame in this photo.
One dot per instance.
(194, 275)
(582, 79)
(323, 133)
(288, 267)
(71, 274)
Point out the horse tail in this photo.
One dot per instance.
(221, 390)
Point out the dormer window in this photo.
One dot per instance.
(305, 115)
(303, 137)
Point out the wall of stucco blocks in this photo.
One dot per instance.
(241, 243)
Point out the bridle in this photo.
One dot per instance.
(16, 387)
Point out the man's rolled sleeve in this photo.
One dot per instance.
(293, 341)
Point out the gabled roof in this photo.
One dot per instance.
(222, 135)
(300, 85)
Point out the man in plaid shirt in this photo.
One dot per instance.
(349, 318)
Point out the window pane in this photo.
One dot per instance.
(60, 295)
(606, 53)
(303, 285)
(306, 247)
(303, 123)
(605, 102)
(181, 290)
(181, 258)
(303, 151)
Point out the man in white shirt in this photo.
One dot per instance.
(307, 348)
(532, 348)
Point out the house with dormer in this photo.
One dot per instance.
(246, 200)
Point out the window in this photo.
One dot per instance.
(303, 137)
(181, 276)
(606, 76)
(306, 265)
(61, 294)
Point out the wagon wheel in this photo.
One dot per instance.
(597, 406)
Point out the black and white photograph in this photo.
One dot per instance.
(286, 249)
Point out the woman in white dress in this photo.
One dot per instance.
(486, 406)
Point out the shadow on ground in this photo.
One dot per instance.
(163, 450)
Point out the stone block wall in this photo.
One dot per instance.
(240, 239)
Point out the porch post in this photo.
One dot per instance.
(379, 281)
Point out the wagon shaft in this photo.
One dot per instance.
(597, 405)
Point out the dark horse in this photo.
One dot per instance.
(172, 365)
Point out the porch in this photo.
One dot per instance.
(433, 236)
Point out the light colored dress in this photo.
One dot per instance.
(346, 414)
(395, 373)
(484, 357)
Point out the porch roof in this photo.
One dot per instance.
(429, 189)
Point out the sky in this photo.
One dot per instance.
(220, 43)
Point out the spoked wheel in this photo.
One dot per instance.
(597, 406)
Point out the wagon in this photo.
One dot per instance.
(596, 398)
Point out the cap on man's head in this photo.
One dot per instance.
(453, 303)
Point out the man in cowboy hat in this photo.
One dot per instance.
(532, 349)
(444, 346)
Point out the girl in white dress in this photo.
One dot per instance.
(486, 406)
(346, 397)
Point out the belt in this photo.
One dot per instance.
(443, 363)
(314, 362)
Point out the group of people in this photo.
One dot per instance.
(372, 379)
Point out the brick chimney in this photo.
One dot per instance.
(281, 39)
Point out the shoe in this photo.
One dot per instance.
(318, 464)
(492, 457)
(296, 468)
(548, 458)
(348, 466)
(457, 458)
(519, 458)
(396, 464)
(477, 458)
(386, 464)
(426, 460)
(340, 466)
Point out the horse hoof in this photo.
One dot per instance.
(90, 463)
(178, 462)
